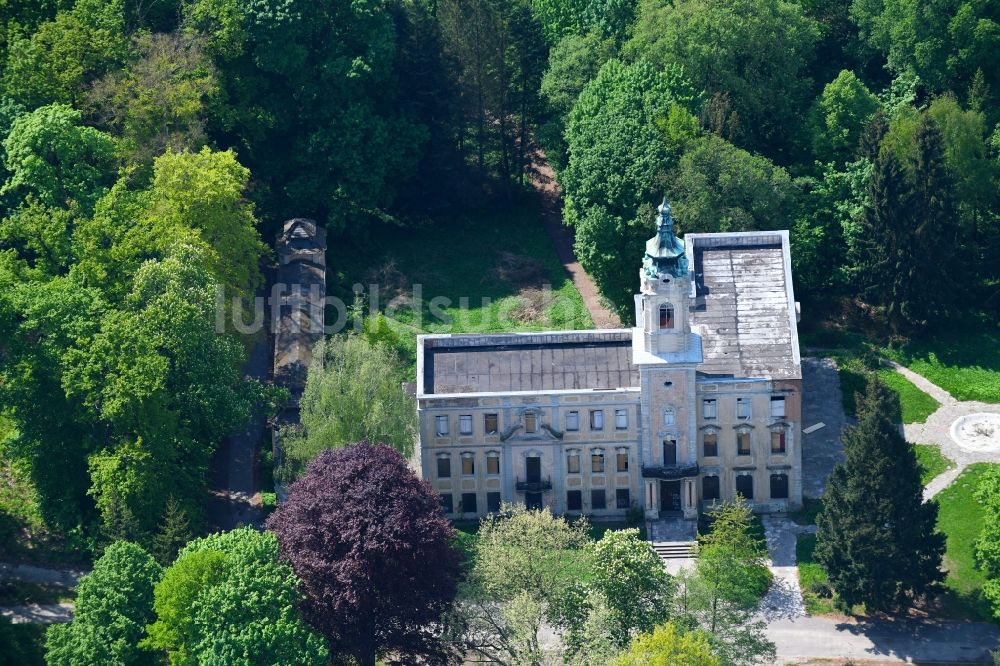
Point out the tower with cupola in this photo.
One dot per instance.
(667, 353)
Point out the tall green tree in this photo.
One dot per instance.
(727, 48)
(227, 599)
(52, 156)
(618, 157)
(56, 62)
(840, 115)
(562, 18)
(311, 103)
(113, 606)
(353, 393)
(877, 537)
(719, 187)
(721, 596)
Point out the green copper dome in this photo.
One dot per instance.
(665, 251)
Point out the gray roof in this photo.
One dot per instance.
(744, 307)
(584, 360)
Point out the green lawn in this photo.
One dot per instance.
(965, 362)
(961, 519)
(813, 579)
(931, 462)
(492, 271)
(914, 404)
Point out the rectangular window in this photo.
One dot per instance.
(622, 500)
(778, 441)
(444, 467)
(669, 417)
(446, 503)
(597, 419)
(744, 486)
(493, 502)
(573, 420)
(465, 424)
(777, 407)
(666, 316)
(708, 408)
(530, 422)
(742, 408)
(468, 465)
(622, 459)
(710, 488)
(621, 419)
(491, 424)
(469, 503)
(710, 444)
(743, 443)
(597, 463)
(574, 500)
(492, 463)
(573, 463)
(597, 501)
(441, 425)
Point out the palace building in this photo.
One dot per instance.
(700, 402)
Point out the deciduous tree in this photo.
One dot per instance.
(227, 599)
(353, 393)
(877, 537)
(667, 646)
(373, 550)
(988, 542)
(113, 605)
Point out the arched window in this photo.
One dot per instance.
(666, 316)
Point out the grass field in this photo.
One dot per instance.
(961, 519)
(915, 405)
(965, 363)
(931, 462)
(813, 580)
(492, 271)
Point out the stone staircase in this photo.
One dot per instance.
(675, 550)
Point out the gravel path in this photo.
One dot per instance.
(38, 613)
(936, 430)
(543, 179)
(31, 574)
(784, 598)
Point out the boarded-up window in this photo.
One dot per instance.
(573, 463)
(465, 424)
(468, 465)
(710, 444)
(530, 422)
(777, 407)
(743, 443)
(492, 463)
(491, 424)
(622, 461)
(573, 420)
(597, 419)
(597, 462)
(777, 441)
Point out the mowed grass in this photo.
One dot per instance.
(931, 462)
(964, 362)
(813, 579)
(961, 519)
(915, 405)
(495, 270)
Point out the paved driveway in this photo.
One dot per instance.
(821, 403)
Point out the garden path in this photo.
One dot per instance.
(937, 430)
(38, 613)
(543, 180)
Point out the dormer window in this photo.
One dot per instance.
(666, 316)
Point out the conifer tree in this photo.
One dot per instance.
(877, 537)
(175, 531)
(935, 225)
(888, 270)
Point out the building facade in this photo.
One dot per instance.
(701, 401)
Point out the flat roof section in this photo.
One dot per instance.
(533, 366)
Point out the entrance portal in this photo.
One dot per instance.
(533, 501)
(670, 496)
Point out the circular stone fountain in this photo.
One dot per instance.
(977, 432)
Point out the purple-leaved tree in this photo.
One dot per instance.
(373, 549)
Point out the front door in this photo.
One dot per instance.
(533, 469)
(533, 500)
(670, 496)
